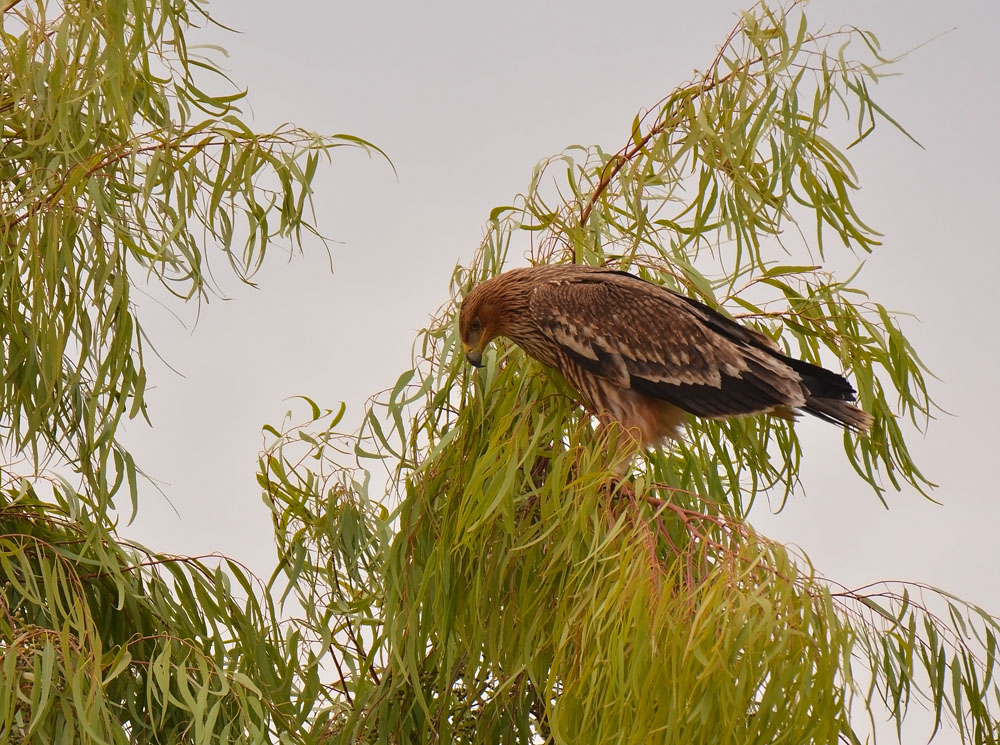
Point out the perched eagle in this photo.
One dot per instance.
(642, 355)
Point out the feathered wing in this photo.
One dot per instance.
(641, 336)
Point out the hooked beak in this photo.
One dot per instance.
(474, 356)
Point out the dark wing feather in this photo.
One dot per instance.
(643, 336)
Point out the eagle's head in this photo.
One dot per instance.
(496, 307)
(501, 306)
(477, 320)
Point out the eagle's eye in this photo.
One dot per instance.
(475, 327)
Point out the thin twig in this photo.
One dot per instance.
(340, 672)
(627, 153)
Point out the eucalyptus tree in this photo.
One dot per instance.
(120, 166)
(508, 588)
(503, 586)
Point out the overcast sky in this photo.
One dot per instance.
(466, 98)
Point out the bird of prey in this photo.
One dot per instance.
(642, 355)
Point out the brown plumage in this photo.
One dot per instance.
(642, 355)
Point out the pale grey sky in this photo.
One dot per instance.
(466, 98)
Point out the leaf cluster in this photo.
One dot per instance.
(122, 170)
(118, 168)
(103, 641)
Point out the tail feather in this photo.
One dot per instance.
(839, 412)
(829, 396)
(821, 382)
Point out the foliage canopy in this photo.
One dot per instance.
(502, 589)
(118, 167)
